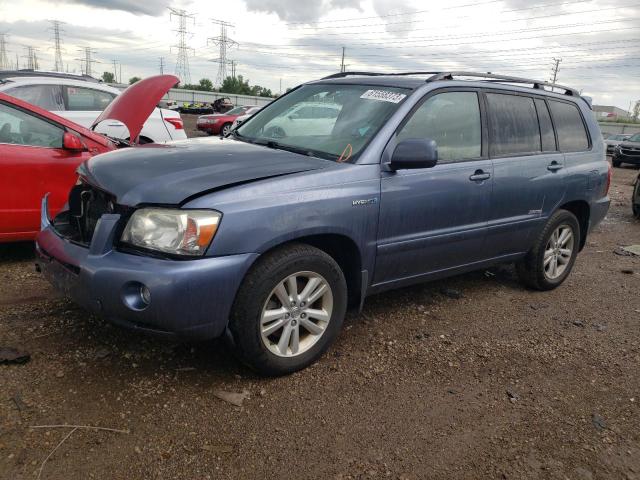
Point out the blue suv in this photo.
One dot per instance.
(342, 188)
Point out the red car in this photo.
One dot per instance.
(220, 123)
(40, 151)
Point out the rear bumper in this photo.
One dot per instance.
(190, 298)
(598, 211)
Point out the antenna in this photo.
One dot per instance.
(57, 42)
(182, 62)
(4, 59)
(223, 42)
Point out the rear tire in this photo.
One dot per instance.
(556, 246)
(635, 199)
(616, 163)
(259, 319)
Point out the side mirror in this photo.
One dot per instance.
(294, 116)
(414, 153)
(72, 143)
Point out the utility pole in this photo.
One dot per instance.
(57, 45)
(32, 58)
(87, 62)
(342, 63)
(161, 65)
(224, 43)
(4, 59)
(556, 67)
(182, 62)
(115, 70)
(280, 92)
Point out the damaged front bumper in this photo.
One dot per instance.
(189, 298)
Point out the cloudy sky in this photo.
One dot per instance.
(286, 42)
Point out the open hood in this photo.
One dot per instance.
(133, 106)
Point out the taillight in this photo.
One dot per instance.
(609, 173)
(176, 122)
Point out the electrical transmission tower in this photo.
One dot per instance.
(161, 65)
(224, 43)
(57, 42)
(4, 59)
(32, 58)
(556, 67)
(87, 62)
(182, 62)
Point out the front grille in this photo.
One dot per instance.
(630, 151)
(86, 205)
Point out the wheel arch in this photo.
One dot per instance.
(343, 249)
(582, 211)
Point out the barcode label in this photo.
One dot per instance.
(383, 96)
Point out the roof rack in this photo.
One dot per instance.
(27, 72)
(491, 77)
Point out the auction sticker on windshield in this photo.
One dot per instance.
(383, 95)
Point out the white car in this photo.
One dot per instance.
(242, 118)
(303, 118)
(82, 99)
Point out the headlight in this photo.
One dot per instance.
(181, 232)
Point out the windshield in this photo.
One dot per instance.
(635, 138)
(329, 121)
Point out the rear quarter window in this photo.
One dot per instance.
(572, 135)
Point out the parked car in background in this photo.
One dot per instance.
(81, 99)
(627, 151)
(305, 117)
(243, 118)
(268, 237)
(220, 123)
(613, 141)
(40, 152)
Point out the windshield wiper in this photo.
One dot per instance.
(281, 146)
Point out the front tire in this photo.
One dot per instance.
(289, 309)
(226, 128)
(551, 259)
(616, 163)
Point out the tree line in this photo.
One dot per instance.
(233, 85)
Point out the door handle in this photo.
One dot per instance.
(554, 166)
(479, 176)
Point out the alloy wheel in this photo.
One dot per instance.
(296, 314)
(558, 252)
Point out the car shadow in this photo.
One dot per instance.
(17, 251)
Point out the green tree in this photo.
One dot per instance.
(108, 77)
(133, 80)
(237, 85)
(205, 84)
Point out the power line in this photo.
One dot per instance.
(223, 42)
(182, 62)
(4, 59)
(57, 45)
(86, 63)
(32, 58)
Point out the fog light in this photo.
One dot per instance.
(145, 294)
(136, 295)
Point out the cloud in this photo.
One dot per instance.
(153, 8)
(393, 7)
(305, 11)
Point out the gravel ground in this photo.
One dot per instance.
(500, 383)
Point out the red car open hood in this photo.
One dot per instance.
(133, 106)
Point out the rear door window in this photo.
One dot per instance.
(87, 99)
(48, 97)
(513, 125)
(452, 119)
(572, 136)
(546, 127)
